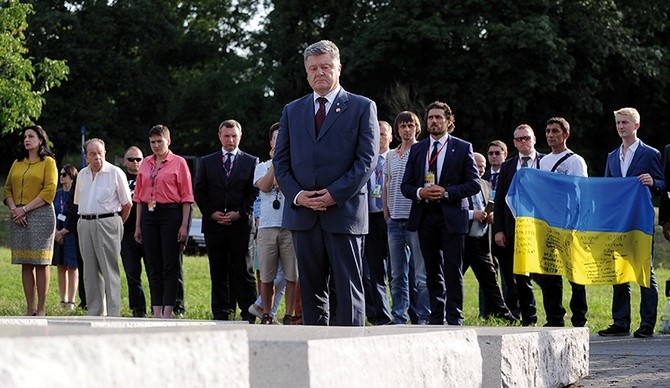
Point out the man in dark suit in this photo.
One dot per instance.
(225, 193)
(326, 150)
(634, 159)
(520, 298)
(439, 177)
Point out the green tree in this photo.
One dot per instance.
(23, 81)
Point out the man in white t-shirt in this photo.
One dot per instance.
(274, 242)
(563, 161)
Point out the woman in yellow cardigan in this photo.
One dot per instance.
(29, 193)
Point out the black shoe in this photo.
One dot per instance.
(644, 332)
(615, 331)
(267, 319)
(529, 322)
(555, 324)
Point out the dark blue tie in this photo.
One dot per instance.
(227, 163)
(432, 162)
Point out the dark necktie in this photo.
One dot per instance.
(494, 180)
(525, 160)
(432, 162)
(227, 163)
(320, 114)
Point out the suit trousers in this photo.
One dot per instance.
(648, 304)
(338, 256)
(377, 308)
(552, 296)
(477, 256)
(100, 244)
(132, 255)
(159, 235)
(232, 278)
(520, 298)
(443, 254)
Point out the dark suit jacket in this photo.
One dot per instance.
(458, 176)
(647, 160)
(341, 159)
(503, 221)
(664, 208)
(215, 191)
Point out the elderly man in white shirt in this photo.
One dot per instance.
(104, 200)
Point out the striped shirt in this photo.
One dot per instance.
(394, 169)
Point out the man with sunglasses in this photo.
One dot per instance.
(520, 298)
(132, 252)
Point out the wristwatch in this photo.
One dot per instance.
(446, 195)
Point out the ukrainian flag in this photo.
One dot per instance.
(591, 230)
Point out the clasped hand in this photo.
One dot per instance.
(318, 200)
(19, 217)
(432, 193)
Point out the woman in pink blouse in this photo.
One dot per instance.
(163, 194)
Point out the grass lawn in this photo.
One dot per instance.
(197, 289)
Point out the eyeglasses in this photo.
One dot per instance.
(496, 153)
(134, 159)
(522, 138)
(63, 174)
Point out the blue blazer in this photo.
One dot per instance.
(459, 177)
(341, 159)
(646, 160)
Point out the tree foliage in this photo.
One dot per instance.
(23, 81)
(190, 65)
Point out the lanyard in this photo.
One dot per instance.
(152, 177)
(434, 159)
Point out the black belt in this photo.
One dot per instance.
(98, 216)
(165, 205)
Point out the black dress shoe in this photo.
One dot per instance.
(615, 331)
(644, 332)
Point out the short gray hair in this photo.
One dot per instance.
(322, 47)
(89, 141)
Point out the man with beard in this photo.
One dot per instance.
(440, 176)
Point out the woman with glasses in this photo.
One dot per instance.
(65, 248)
(29, 193)
(164, 194)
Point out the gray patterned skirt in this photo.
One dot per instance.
(34, 244)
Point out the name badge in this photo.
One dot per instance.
(429, 179)
(377, 191)
(151, 205)
(61, 217)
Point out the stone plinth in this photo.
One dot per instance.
(363, 357)
(78, 355)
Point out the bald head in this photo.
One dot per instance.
(480, 163)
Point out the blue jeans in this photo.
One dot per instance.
(403, 248)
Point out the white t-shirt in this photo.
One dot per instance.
(574, 165)
(269, 217)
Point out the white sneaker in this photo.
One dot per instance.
(256, 311)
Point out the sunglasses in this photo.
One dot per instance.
(522, 138)
(134, 159)
(491, 153)
(63, 174)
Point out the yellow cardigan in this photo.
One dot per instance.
(27, 180)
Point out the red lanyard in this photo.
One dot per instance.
(434, 159)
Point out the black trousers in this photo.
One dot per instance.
(443, 255)
(132, 254)
(232, 277)
(377, 307)
(477, 255)
(159, 235)
(520, 299)
(552, 296)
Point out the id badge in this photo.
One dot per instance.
(377, 191)
(61, 217)
(429, 179)
(151, 205)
